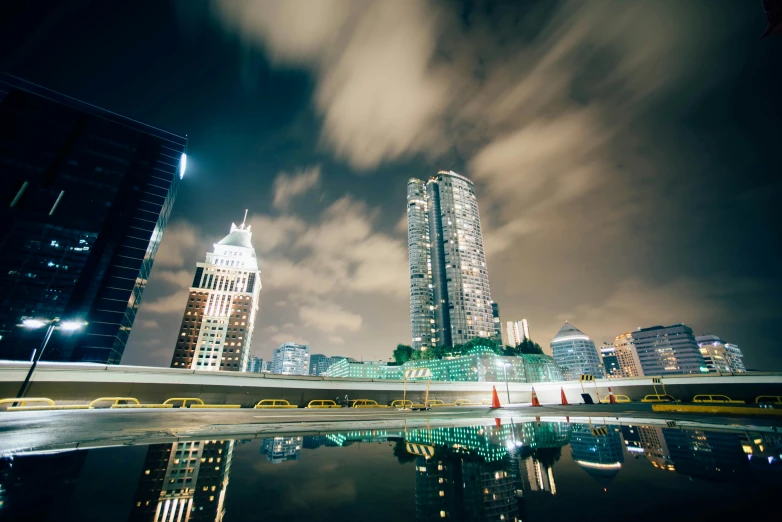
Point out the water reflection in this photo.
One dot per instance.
(183, 481)
(498, 471)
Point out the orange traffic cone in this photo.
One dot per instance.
(495, 399)
(564, 398)
(535, 401)
(611, 398)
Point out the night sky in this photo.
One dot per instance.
(623, 154)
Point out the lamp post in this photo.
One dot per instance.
(51, 326)
(505, 370)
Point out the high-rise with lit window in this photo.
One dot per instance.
(217, 326)
(517, 331)
(667, 350)
(86, 194)
(291, 359)
(573, 349)
(450, 299)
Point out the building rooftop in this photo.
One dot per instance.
(238, 237)
(568, 332)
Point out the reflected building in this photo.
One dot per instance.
(282, 449)
(708, 455)
(36, 487)
(183, 481)
(598, 453)
(86, 196)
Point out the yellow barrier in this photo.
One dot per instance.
(184, 400)
(435, 403)
(768, 399)
(401, 404)
(658, 398)
(366, 403)
(323, 404)
(23, 402)
(142, 406)
(464, 402)
(229, 406)
(715, 399)
(486, 402)
(619, 398)
(274, 403)
(114, 400)
(733, 410)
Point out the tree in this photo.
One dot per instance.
(403, 353)
(528, 346)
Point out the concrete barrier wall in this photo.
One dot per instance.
(79, 383)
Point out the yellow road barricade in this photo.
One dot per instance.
(185, 401)
(274, 403)
(715, 399)
(401, 404)
(322, 404)
(366, 403)
(464, 402)
(768, 399)
(731, 410)
(114, 401)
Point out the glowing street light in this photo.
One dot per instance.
(52, 325)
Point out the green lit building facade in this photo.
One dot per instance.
(481, 365)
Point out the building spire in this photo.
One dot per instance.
(245, 217)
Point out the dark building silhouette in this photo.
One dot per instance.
(84, 197)
(598, 451)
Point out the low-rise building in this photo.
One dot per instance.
(719, 356)
(479, 365)
(255, 364)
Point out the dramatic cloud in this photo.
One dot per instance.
(288, 186)
(376, 92)
(329, 317)
(179, 239)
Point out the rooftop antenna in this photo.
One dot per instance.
(245, 217)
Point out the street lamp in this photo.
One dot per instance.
(52, 325)
(507, 388)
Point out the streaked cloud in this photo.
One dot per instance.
(288, 186)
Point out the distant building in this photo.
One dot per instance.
(319, 363)
(719, 356)
(255, 365)
(480, 365)
(495, 312)
(282, 449)
(627, 356)
(517, 331)
(667, 350)
(291, 359)
(86, 196)
(610, 360)
(573, 348)
(219, 317)
(450, 299)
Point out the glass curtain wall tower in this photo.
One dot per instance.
(450, 299)
(86, 194)
(217, 326)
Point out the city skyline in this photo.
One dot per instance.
(597, 207)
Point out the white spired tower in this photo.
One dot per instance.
(217, 327)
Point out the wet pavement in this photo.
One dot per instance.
(496, 465)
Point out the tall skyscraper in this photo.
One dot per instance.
(450, 299)
(517, 331)
(719, 356)
(495, 312)
(573, 349)
(666, 350)
(86, 195)
(291, 359)
(627, 356)
(217, 326)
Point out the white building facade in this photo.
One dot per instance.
(291, 359)
(217, 326)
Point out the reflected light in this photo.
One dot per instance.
(33, 323)
(182, 165)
